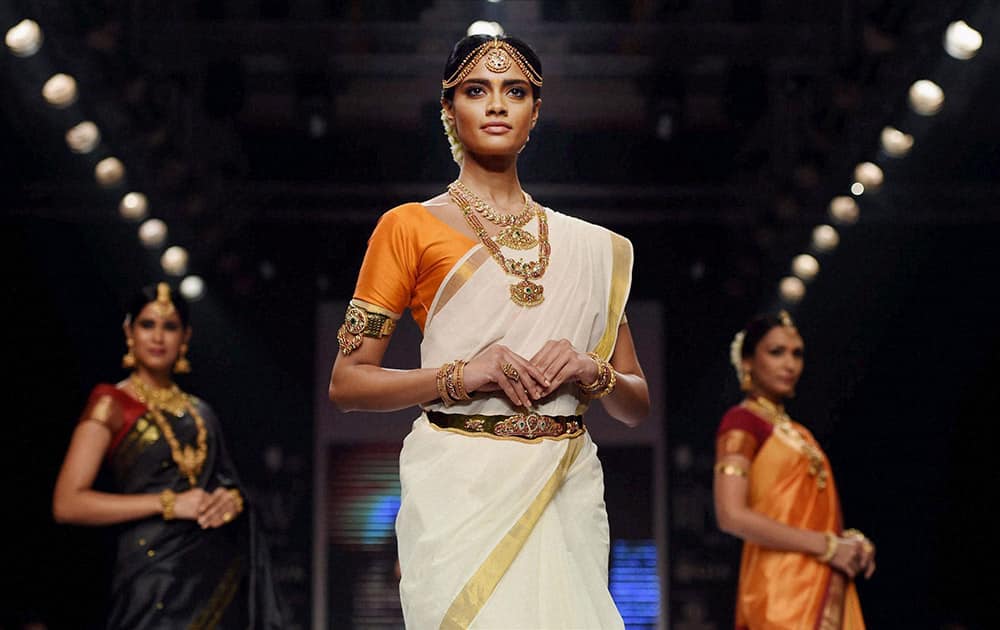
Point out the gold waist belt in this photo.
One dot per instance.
(529, 426)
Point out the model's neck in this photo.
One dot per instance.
(157, 379)
(495, 180)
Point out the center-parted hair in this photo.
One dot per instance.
(147, 295)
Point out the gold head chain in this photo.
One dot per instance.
(500, 55)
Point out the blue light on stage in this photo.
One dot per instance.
(634, 582)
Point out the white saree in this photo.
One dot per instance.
(512, 533)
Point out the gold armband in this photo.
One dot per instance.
(360, 323)
(167, 500)
(730, 469)
(831, 548)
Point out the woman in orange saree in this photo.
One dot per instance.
(774, 489)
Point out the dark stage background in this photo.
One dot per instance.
(270, 135)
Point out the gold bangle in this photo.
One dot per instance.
(168, 499)
(831, 548)
(238, 498)
(606, 379)
(442, 384)
(731, 470)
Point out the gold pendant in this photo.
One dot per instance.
(527, 293)
(515, 238)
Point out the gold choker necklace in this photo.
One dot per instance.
(525, 292)
(777, 416)
(171, 399)
(480, 205)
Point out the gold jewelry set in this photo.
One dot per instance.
(606, 379)
(359, 323)
(524, 293)
(451, 383)
(164, 306)
(175, 402)
(776, 415)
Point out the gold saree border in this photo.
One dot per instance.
(831, 616)
(621, 279)
(457, 280)
(477, 591)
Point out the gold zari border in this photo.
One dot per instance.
(477, 591)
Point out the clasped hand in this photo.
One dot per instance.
(854, 555)
(210, 509)
(524, 381)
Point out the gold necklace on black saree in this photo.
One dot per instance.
(171, 399)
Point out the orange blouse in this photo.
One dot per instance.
(409, 255)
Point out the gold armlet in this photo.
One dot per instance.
(730, 469)
(831, 548)
(168, 498)
(360, 323)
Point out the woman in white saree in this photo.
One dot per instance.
(502, 522)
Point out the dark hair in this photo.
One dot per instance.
(147, 294)
(757, 329)
(467, 44)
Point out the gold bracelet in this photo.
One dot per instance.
(238, 498)
(167, 500)
(831, 548)
(730, 469)
(442, 384)
(606, 379)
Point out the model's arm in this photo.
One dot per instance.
(75, 501)
(734, 516)
(562, 363)
(358, 382)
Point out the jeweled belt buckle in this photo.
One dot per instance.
(528, 426)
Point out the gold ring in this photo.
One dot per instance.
(510, 372)
(228, 516)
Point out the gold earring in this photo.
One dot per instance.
(128, 361)
(182, 366)
(746, 383)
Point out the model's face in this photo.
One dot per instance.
(777, 363)
(156, 338)
(493, 112)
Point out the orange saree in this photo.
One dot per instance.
(791, 482)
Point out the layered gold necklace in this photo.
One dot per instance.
(525, 292)
(172, 400)
(777, 416)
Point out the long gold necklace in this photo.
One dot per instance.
(778, 417)
(175, 402)
(525, 292)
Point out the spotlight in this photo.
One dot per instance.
(152, 233)
(109, 172)
(895, 142)
(961, 41)
(24, 38)
(174, 260)
(805, 266)
(60, 90)
(844, 210)
(192, 288)
(857, 189)
(133, 206)
(825, 238)
(482, 27)
(83, 138)
(869, 175)
(926, 97)
(792, 289)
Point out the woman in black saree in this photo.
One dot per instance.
(189, 553)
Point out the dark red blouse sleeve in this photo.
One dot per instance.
(741, 432)
(113, 408)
